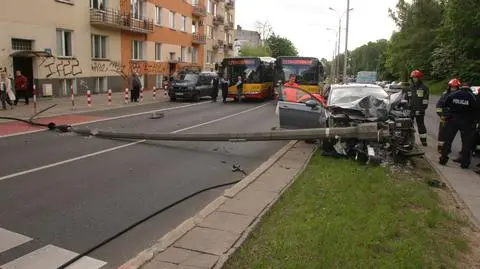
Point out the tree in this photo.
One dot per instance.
(281, 46)
(265, 29)
(259, 51)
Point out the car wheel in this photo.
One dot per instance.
(173, 98)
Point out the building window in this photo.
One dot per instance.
(194, 3)
(183, 56)
(171, 20)
(215, 9)
(226, 37)
(209, 6)
(210, 32)
(183, 27)
(67, 85)
(209, 57)
(97, 4)
(173, 56)
(64, 43)
(194, 55)
(137, 9)
(194, 27)
(158, 15)
(137, 50)
(158, 52)
(158, 81)
(21, 44)
(99, 47)
(100, 84)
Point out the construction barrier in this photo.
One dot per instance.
(89, 98)
(109, 96)
(126, 95)
(154, 93)
(141, 95)
(34, 99)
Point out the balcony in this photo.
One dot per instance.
(111, 18)
(228, 47)
(199, 10)
(215, 47)
(199, 39)
(217, 20)
(229, 26)
(230, 4)
(220, 43)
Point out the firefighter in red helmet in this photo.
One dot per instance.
(418, 96)
(453, 85)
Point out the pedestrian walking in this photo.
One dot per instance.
(215, 84)
(136, 86)
(224, 84)
(239, 86)
(418, 96)
(459, 110)
(7, 95)
(453, 85)
(21, 87)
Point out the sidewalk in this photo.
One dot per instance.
(210, 237)
(465, 184)
(64, 105)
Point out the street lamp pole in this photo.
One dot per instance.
(337, 65)
(345, 62)
(336, 51)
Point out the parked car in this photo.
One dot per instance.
(193, 86)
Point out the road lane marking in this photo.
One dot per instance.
(124, 146)
(10, 240)
(51, 257)
(107, 119)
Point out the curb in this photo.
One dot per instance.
(224, 257)
(171, 237)
(456, 197)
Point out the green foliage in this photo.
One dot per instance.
(255, 51)
(439, 37)
(281, 46)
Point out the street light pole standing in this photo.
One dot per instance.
(345, 62)
(337, 71)
(336, 51)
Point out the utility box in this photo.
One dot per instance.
(47, 90)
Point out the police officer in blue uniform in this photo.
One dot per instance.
(459, 112)
(453, 85)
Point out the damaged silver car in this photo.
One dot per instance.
(346, 106)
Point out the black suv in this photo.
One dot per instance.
(193, 86)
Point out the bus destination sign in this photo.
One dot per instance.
(298, 61)
(241, 62)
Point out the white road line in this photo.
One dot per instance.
(107, 119)
(51, 257)
(123, 146)
(10, 240)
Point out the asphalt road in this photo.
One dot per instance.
(61, 193)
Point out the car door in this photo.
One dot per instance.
(300, 114)
(202, 85)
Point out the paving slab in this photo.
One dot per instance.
(186, 257)
(207, 240)
(249, 204)
(225, 221)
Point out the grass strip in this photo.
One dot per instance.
(340, 214)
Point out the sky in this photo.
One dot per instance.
(305, 22)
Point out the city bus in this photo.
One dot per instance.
(257, 74)
(308, 70)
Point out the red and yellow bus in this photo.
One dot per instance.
(257, 74)
(308, 70)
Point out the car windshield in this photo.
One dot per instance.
(191, 77)
(346, 95)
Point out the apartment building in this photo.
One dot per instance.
(168, 38)
(54, 45)
(243, 37)
(220, 27)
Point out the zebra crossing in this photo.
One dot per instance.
(46, 257)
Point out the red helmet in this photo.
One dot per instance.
(454, 83)
(416, 74)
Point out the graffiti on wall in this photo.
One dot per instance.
(133, 66)
(60, 67)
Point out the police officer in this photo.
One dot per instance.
(418, 95)
(452, 86)
(459, 111)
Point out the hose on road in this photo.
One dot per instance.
(129, 228)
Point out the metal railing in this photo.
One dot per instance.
(199, 10)
(230, 4)
(199, 39)
(121, 20)
(228, 46)
(219, 19)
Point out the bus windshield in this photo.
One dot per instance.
(306, 74)
(249, 69)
